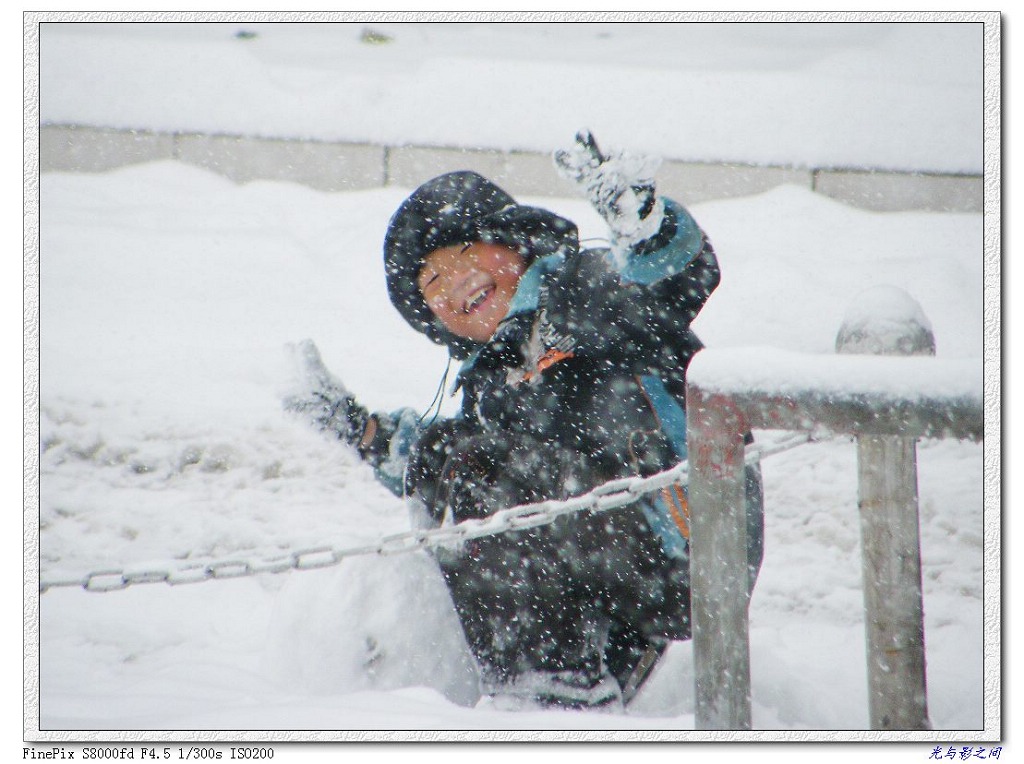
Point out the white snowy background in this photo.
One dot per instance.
(168, 293)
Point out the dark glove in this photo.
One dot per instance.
(427, 458)
(320, 399)
(494, 471)
(620, 187)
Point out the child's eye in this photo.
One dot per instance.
(426, 281)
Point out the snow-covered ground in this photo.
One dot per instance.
(818, 94)
(167, 295)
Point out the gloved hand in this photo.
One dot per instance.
(489, 472)
(620, 187)
(320, 399)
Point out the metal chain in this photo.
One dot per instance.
(607, 496)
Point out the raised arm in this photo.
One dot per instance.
(635, 310)
(321, 400)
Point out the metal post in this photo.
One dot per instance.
(890, 536)
(718, 563)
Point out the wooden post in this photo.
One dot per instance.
(889, 322)
(718, 563)
(931, 398)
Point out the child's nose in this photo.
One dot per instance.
(455, 274)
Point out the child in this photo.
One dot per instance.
(573, 374)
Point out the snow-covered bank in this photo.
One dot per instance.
(899, 96)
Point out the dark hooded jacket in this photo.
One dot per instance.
(458, 208)
(590, 360)
(582, 382)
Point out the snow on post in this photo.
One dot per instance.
(887, 321)
(886, 388)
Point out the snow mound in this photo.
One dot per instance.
(333, 633)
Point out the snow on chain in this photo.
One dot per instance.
(608, 496)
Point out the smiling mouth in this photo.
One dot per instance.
(477, 298)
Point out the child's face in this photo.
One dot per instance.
(469, 286)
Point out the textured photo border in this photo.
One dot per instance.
(995, 684)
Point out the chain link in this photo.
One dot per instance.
(614, 494)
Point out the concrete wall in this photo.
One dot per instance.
(347, 166)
